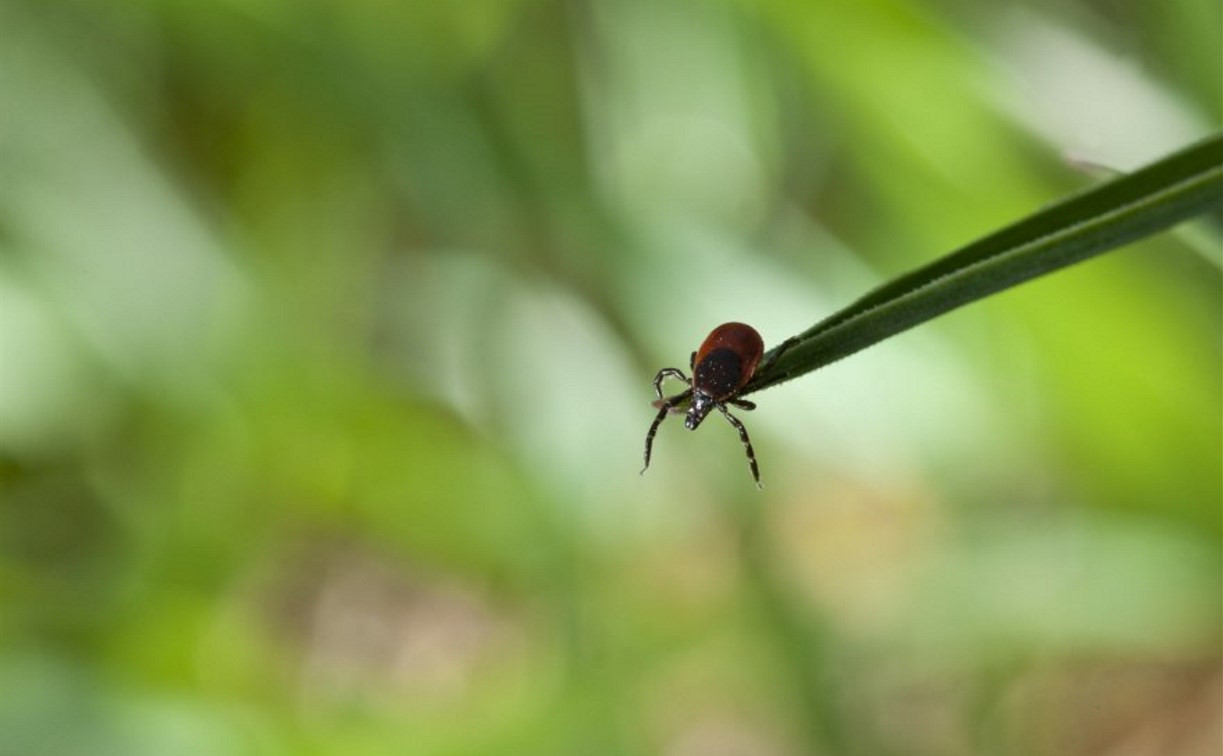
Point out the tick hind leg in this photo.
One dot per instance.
(747, 444)
(776, 354)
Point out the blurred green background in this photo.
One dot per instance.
(326, 334)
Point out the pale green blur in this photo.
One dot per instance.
(326, 338)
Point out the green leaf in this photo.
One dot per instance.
(1103, 218)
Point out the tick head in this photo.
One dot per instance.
(702, 405)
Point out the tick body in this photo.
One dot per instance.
(723, 365)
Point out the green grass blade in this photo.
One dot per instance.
(1103, 218)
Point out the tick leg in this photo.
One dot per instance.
(747, 444)
(662, 375)
(777, 353)
(742, 404)
(649, 437)
(674, 404)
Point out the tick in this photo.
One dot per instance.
(723, 365)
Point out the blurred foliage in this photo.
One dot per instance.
(326, 332)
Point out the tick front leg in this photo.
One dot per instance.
(649, 437)
(662, 375)
(747, 445)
